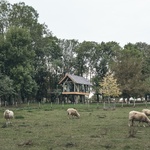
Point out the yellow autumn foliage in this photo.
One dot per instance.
(109, 86)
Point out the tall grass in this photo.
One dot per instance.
(48, 128)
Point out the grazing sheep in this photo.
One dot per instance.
(146, 111)
(8, 115)
(138, 116)
(73, 112)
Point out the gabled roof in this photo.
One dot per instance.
(76, 79)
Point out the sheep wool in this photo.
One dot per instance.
(8, 115)
(73, 112)
(138, 116)
(146, 111)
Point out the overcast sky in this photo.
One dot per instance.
(122, 21)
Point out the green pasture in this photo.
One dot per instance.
(48, 128)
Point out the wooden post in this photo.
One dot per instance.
(5, 103)
(146, 103)
(16, 104)
(97, 104)
(62, 104)
(134, 102)
(51, 104)
(147, 99)
(115, 104)
(88, 103)
(122, 103)
(104, 105)
(13, 102)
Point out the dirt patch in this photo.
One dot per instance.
(25, 143)
(70, 144)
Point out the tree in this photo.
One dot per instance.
(84, 52)
(4, 14)
(68, 58)
(101, 59)
(19, 62)
(26, 53)
(109, 87)
(6, 88)
(127, 68)
(48, 66)
(145, 50)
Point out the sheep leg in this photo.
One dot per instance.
(139, 123)
(129, 123)
(7, 122)
(68, 116)
(72, 116)
(132, 123)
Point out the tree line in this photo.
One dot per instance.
(33, 60)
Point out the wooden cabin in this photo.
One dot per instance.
(75, 88)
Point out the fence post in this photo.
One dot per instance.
(39, 104)
(5, 103)
(51, 104)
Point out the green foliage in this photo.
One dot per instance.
(84, 59)
(128, 69)
(19, 61)
(4, 15)
(68, 58)
(6, 86)
(101, 59)
(35, 60)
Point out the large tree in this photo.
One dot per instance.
(109, 86)
(29, 51)
(101, 58)
(68, 58)
(127, 68)
(84, 55)
(6, 88)
(19, 61)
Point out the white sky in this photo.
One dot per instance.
(121, 21)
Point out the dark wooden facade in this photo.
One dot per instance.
(75, 87)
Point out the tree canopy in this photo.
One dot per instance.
(32, 60)
(109, 86)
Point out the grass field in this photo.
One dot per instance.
(48, 128)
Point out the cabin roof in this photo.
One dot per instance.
(76, 79)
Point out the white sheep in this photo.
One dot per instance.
(138, 116)
(8, 115)
(73, 112)
(146, 111)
